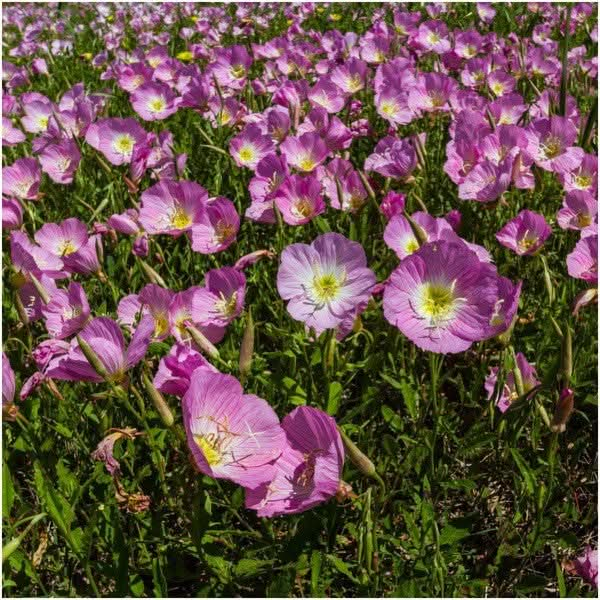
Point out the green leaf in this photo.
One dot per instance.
(334, 397)
(8, 491)
(343, 568)
(247, 567)
(451, 535)
(316, 559)
(562, 588)
(158, 579)
(528, 475)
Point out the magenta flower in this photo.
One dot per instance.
(525, 234)
(180, 316)
(27, 257)
(487, 181)
(22, 179)
(37, 114)
(509, 393)
(309, 470)
(433, 36)
(442, 297)
(331, 129)
(586, 566)
(172, 207)
(115, 138)
(299, 199)
(231, 66)
(152, 300)
(305, 152)
(231, 435)
(339, 176)
(222, 298)
(175, 370)
(391, 104)
(69, 240)
(551, 144)
(399, 236)
(392, 157)
(582, 263)
(106, 339)
(351, 76)
(432, 93)
(392, 204)
(325, 94)
(270, 173)
(324, 282)
(60, 161)
(154, 101)
(250, 146)
(67, 311)
(217, 228)
(12, 214)
(579, 211)
(584, 178)
(11, 135)
(8, 382)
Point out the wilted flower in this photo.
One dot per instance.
(105, 449)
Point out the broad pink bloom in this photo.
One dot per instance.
(309, 470)
(60, 161)
(154, 101)
(250, 146)
(582, 262)
(324, 282)
(11, 135)
(231, 435)
(12, 214)
(579, 211)
(299, 199)
(172, 207)
(392, 157)
(22, 179)
(305, 152)
(115, 138)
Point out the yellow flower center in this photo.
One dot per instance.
(238, 71)
(437, 301)
(227, 306)
(583, 181)
(527, 242)
(180, 219)
(497, 88)
(223, 117)
(246, 154)
(355, 83)
(186, 55)
(124, 143)
(302, 208)
(223, 231)
(433, 38)
(209, 449)
(66, 247)
(411, 246)
(326, 287)
(157, 104)
(552, 148)
(307, 164)
(161, 325)
(42, 122)
(437, 99)
(583, 220)
(388, 108)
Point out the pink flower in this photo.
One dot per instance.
(60, 161)
(154, 101)
(587, 566)
(115, 138)
(172, 207)
(217, 228)
(392, 157)
(525, 234)
(250, 146)
(309, 470)
(299, 199)
(579, 211)
(582, 263)
(508, 394)
(324, 282)
(22, 179)
(231, 435)
(305, 152)
(67, 311)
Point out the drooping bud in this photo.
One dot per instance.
(202, 342)
(151, 274)
(41, 290)
(583, 299)
(362, 462)
(548, 281)
(13, 544)
(563, 410)
(159, 402)
(566, 361)
(519, 385)
(247, 347)
(92, 358)
(417, 230)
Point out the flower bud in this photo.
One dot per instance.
(92, 358)
(202, 342)
(41, 290)
(159, 402)
(247, 347)
(417, 230)
(563, 410)
(151, 274)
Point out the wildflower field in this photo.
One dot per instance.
(299, 300)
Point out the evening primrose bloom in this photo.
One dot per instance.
(250, 146)
(443, 297)
(172, 207)
(324, 281)
(525, 234)
(508, 394)
(231, 435)
(115, 138)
